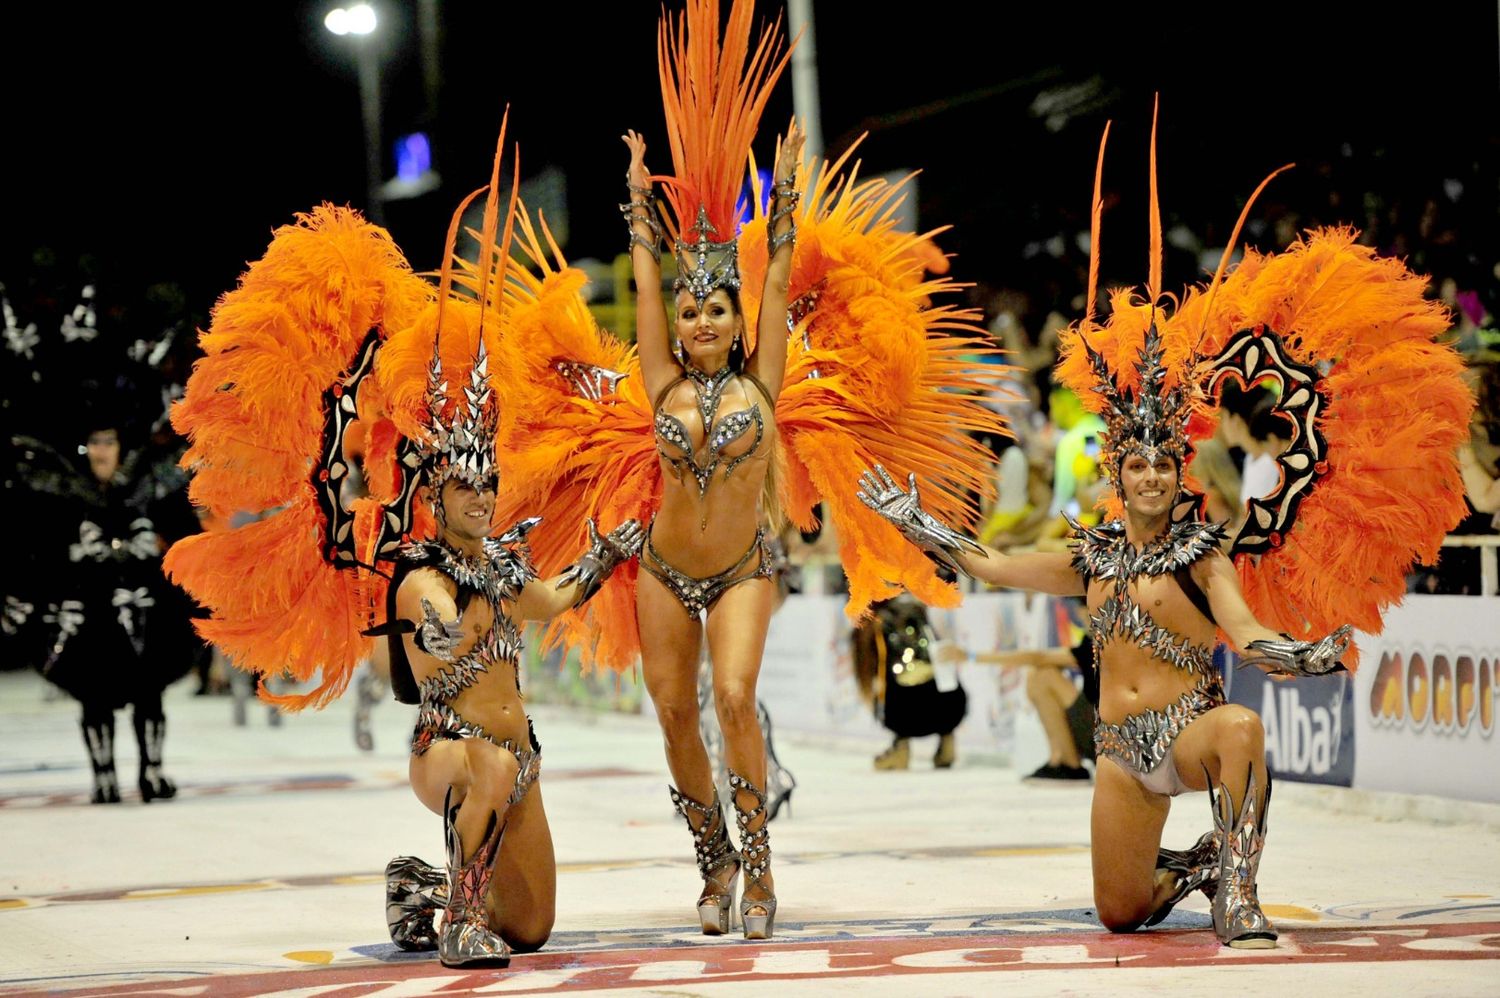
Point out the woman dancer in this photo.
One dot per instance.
(753, 392)
(706, 563)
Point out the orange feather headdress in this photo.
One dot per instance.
(713, 99)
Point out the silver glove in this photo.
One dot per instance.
(904, 509)
(601, 559)
(1301, 658)
(438, 637)
(589, 380)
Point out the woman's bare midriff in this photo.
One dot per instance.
(703, 535)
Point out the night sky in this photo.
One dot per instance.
(200, 130)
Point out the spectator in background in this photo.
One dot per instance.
(1247, 422)
(910, 678)
(1081, 431)
(1479, 459)
(1457, 571)
(1214, 466)
(1063, 687)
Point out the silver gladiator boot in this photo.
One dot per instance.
(465, 939)
(755, 857)
(1238, 920)
(715, 854)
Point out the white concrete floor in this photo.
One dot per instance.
(264, 876)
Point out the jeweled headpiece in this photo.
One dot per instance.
(463, 446)
(1148, 419)
(1151, 422)
(703, 265)
(713, 95)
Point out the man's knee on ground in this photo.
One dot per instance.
(1121, 911)
(529, 943)
(530, 937)
(1122, 918)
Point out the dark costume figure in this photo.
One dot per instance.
(115, 632)
(893, 661)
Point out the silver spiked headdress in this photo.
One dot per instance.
(1150, 422)
(463, 446)
(705, 265)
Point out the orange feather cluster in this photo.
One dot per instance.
(1398, 410)
(876, 374)
(253, 414)
(713, 99)
(565, 457)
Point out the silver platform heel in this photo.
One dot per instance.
(714, 852)
(755, 857)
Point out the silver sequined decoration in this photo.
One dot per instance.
(1143, 741)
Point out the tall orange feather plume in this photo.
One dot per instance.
(1153, 278)
(1096, 213)
(713, 99)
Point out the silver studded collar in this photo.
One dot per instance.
(1104, 552)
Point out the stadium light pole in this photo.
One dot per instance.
(359, 20)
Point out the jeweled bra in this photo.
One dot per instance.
(670, 431)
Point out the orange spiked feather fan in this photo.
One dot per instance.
(254, 416)
(1376, 405)
(329, 327)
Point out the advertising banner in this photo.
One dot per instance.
(1425, 699)
(1309, 723)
